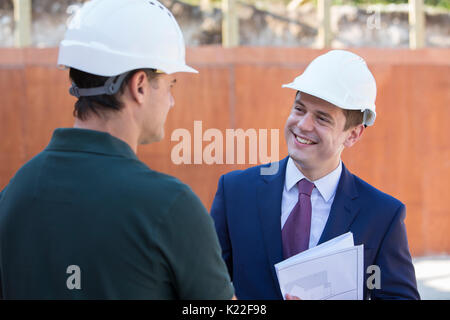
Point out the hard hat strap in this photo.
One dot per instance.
(111, 87)
(366, 116)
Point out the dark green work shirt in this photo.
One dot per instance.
(86, 219)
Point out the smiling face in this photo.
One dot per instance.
(315, 135)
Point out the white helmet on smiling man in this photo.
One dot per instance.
(341, 78)
(110, 38)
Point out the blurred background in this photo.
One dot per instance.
(245, 51)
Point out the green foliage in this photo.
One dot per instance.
(435, 3)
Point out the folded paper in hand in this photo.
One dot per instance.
(332, 270)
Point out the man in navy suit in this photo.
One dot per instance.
(263, 219)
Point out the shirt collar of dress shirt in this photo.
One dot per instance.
(326, 185)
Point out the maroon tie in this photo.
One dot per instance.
(296, 230)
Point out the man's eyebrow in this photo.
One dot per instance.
(300, 102)
(322, 113)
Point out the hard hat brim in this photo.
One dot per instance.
(108, 63)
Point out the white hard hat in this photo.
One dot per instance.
(111, 37)
(341, 78)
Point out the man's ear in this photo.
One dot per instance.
(137, 86)
(354, 135)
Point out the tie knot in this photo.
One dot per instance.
(305, 187)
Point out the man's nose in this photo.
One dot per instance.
(306, 122)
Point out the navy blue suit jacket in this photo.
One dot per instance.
(247, 210)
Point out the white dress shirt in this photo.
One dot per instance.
(322, 198)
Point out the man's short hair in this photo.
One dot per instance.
(93, 104)
(353, 118)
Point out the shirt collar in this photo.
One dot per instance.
(84, 140)
(326, 185)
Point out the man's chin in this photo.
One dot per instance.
(152, 139)
(300, 158)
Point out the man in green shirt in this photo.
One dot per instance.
(85, 219)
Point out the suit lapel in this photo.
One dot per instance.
(269, 194)
(343, 210)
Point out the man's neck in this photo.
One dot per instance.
(115, 126)
(314, 174)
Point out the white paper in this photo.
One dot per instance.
(332, 271)
(341, 242)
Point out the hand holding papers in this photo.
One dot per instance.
(330, 271)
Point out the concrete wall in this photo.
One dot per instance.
(406, 153)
